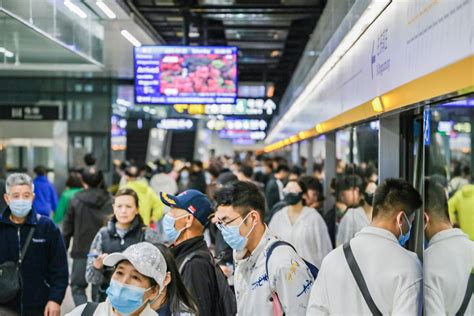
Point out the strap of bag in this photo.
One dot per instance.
(89, 309)
(27, 243)
(185, 261)
(269, 253)
(467, 296)
(359, 278)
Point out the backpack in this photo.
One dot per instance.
(90, 308)
(226, 302)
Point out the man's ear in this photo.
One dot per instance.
(426, 218)
(6, 198)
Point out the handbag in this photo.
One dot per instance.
(10, 276)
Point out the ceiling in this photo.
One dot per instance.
(271, 35)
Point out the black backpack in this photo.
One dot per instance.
(227, 304)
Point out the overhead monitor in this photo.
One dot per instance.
(185, 74)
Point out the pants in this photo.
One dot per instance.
(78, 281)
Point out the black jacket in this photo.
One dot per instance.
(197, 181)
(44, 269)
(87, 213)
(272, 193)
(199, 274)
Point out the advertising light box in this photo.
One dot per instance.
(185, 74)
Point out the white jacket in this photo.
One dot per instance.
(288, 275)
(393, 276)
(309, 234)
(353, 221)
(447, 264)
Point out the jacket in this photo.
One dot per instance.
(197, 181)
(447, 264)
(63, 204)
(44, 269)
(461, 210)
(288, 276)
(105, 309)
(393, 276)
(151, 207)
(87, 213)
(198, 274)
(46, 198)
(272, 193)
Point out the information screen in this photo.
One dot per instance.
(185, 74)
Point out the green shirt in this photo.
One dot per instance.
(63, 204)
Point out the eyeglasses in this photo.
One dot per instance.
(220, 224)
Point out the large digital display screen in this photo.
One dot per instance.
(185, 74)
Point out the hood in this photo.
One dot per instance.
(467, 191)
(139, 186)
(41, 179)
(94, 197)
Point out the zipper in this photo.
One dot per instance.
(19, 245)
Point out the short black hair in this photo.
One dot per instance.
(436, 202)
(318, 167)
(281, 168)
(243, 196)
(395, 195)
(92, 177)
(89, 159)
(132, 171)
(348, 182)
(41, 170)
(197, 163)
(246, 170)
(73, 181)
(296, 170)
(313, 184)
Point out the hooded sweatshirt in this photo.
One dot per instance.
(150, 205)
(87, 213)
(461, 209)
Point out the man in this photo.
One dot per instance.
(448, 259)
(392, 274)
(151, 208)
(87, 213)
(240, 208)
(295, 173)
(44, 267)
(315, 196)
(274, 188)
(197, 178)
(461, 211)
(245, 173)
(46, 198)
(184, 226)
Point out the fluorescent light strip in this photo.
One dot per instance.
(369, 15)
(74, 8)
(108, 12)
(6, 52)
(131, 38)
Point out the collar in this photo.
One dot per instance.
(188, 246)
(266, 238)
(446, 234)
(111, 226)
(31, 218)
(379, 232)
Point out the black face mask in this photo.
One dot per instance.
(293, 198)
(369, 198)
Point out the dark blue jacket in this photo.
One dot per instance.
(46, 198)
(44, 268)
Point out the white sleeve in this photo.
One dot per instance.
(77, 311)
(291, 279)
(345, 231)
(322, 240)
(318, 301)
(434, 304)
(409, 302)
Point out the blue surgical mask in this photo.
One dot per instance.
(232, 236)
(20, 208)
(125, 298)
(404, 237)
(168, 226)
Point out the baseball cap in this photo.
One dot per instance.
(192, 201)
(145, 258)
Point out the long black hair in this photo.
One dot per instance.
(177, 296)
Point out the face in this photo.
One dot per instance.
(19, 192)
(371, 187)
(125, 273)
(292, 187)
(311, 198)
(227, 216)
(293, 177)
(125, 209)
(350, 197)
(183, 218)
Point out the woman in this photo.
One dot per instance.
(73, 185)
(141, 281)
(125, 228)
(302, 226)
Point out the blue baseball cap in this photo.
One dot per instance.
(193, 201)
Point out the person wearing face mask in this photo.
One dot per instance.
(141, 282)
(283, 283)
(302, 226)
(125, 228)
(448, 260)
(43, 264)
(392, 275)
(356, 218)
(184, 226)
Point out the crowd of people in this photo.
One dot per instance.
(234, 236)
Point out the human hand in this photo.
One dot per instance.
(52, 309)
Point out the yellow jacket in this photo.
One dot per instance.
(461, 209)
(150, 205)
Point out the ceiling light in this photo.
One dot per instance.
(74, 8)
(6, 52)
(108, 12)
(194, 34)
(131, 38)
(275, 53)
(377, 104)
